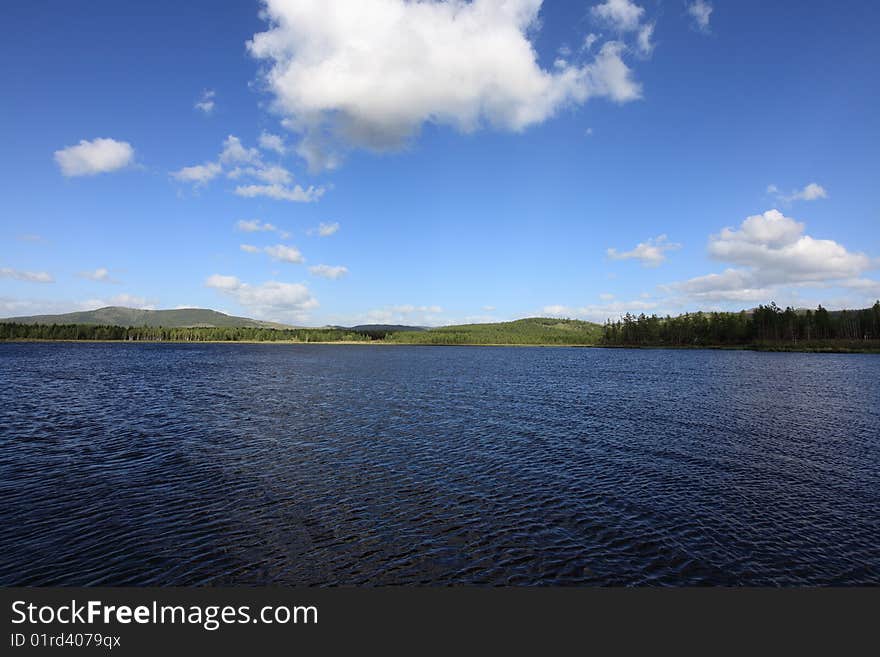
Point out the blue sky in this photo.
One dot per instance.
(467, 162)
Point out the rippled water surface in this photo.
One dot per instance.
(320, 464)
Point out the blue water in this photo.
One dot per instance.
(125, 464)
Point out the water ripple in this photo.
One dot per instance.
(318, 465)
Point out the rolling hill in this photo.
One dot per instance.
(119, 316)
(533, 330)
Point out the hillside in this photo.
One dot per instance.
(533, 330)
(118, 316)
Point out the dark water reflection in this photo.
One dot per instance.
(255, 464)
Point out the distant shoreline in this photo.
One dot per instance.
(779, 348)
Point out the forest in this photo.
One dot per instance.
(15, 331)
(524, 331)
(764, 327)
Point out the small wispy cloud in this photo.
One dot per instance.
(29, 276)
(99, 275)
(257, 226)
(620, 15)
(271, 142)
(623, 16)
(198, 174)
(239, 162)
(328, 271)
(279, 252)
(205, 103)
(701, 12)
(254, 226)
(325, 230)
(651, 253)
(811, 192)
(282, 193)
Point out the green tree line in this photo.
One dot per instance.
(15, 331)
(766, 325)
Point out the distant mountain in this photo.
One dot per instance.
(118, 316)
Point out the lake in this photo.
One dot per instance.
(170, 464)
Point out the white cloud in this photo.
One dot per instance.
(770, 251)
(606, 296)
(282, 193)
(410, 314)
(221, 282)
(273, 174)
(199, 174)
(623, 16)
(609, 76)
(369, 73)
(774, 246)
(701, 12)
(325, 230)
(645, 45)
(30, 237)
(271, 299)
(126, 300)
(235, 153)
(489, 309)
(100, 275)
(205, 103)
(812, 192)
(270, 142)
(254, 225)
(407, 309)
(13, 307)
(868, 289)
(651, 253)
(285, 253)
(600, 312)
(557, 310)
(19, 307)
(328, 271)
(89, 158)
(241, 162)
(589, 40)
(620, 15)
(29, 276)
(277, 252)
(730, 285)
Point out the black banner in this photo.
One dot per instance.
(122, 621)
